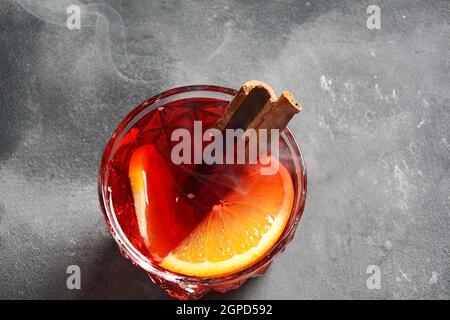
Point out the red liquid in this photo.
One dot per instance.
(173, 214)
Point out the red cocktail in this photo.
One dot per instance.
(214, 237)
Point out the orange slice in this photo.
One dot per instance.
(240, 230)
(156, 204)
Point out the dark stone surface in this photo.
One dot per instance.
(375, 133)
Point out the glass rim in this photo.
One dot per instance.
(129, 251)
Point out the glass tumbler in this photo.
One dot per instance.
(178, 285)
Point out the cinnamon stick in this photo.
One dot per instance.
(253, 100)
(254, 107)
(280, 113)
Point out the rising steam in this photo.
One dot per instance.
(103, 18)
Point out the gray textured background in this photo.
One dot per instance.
(374, 133)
